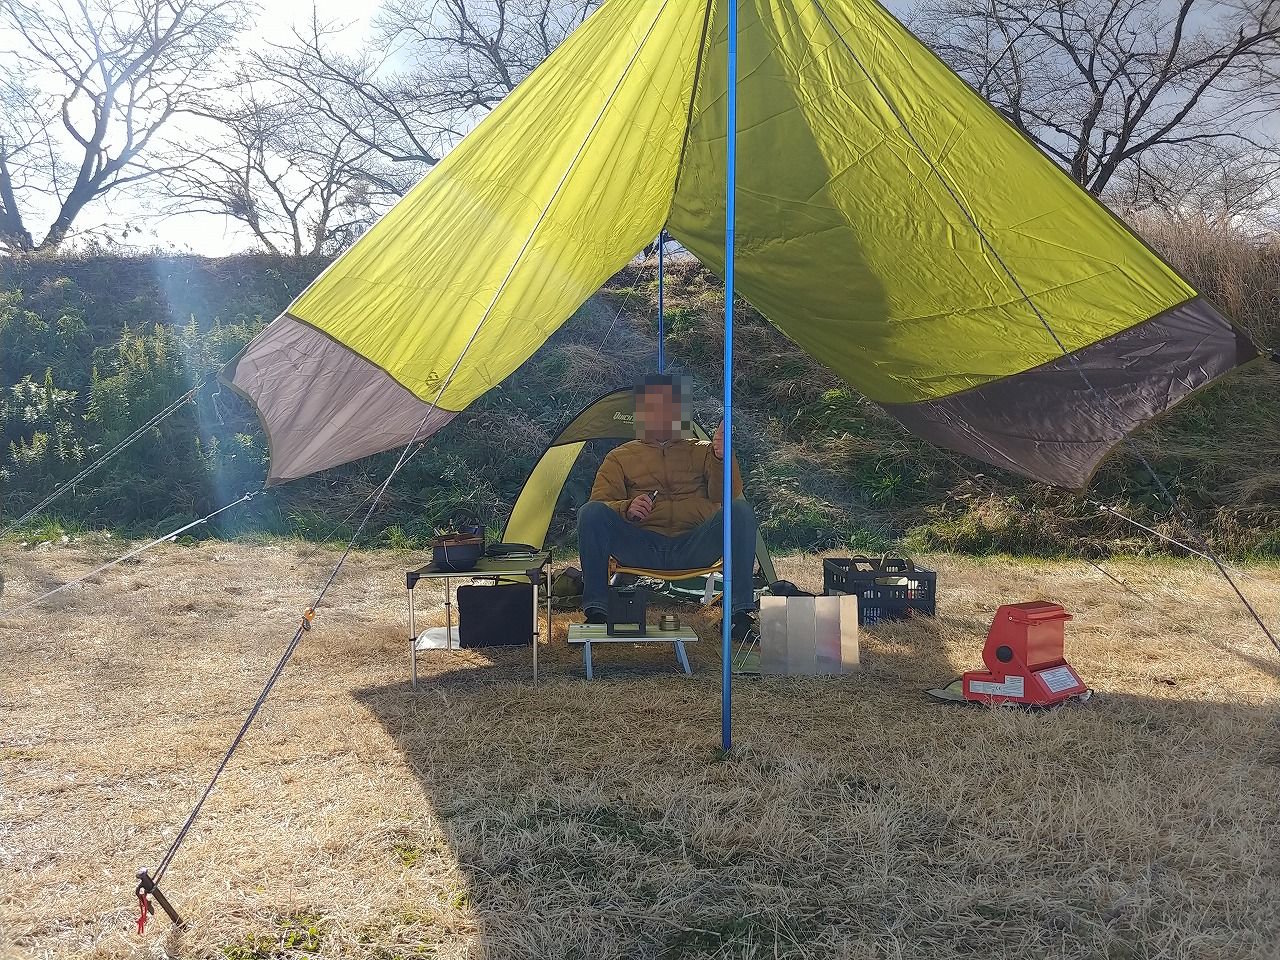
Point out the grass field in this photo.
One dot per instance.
(854, 819)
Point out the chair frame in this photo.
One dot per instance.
(709, 595)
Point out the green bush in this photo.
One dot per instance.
(83, 366)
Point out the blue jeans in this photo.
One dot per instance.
(602, 534)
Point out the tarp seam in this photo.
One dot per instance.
(704, 47)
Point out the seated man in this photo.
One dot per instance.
(656, 504)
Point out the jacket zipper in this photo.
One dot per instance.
(666, 479)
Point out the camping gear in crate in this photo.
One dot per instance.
(458, 547)
(1025, 661)
(626, 614)
(887, 588)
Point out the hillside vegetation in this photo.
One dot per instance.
(91, 348)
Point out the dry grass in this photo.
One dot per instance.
(1238, 273)
(855, 818)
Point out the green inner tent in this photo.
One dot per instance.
(889, 221)
(610, 417)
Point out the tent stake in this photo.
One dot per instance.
(148, 891)
(726, 490)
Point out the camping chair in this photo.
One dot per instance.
(709, 595)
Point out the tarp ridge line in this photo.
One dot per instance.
(303, 627)
(1119, 582)
(1162, 536)
(128, 556)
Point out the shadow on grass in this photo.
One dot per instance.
(854, 817)
(1268, 665)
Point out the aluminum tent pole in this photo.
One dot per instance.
(726, 496)
(662, 332)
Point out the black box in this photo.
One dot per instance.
(890, 588)
(496, 616)
(626, 614)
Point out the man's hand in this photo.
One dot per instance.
(717, 442)
(640, 508)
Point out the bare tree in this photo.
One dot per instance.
(1228, 188)
(430, 71)
(19, 108)
(106, 77)
(299, 185)
(1108, 85)
(474, 52)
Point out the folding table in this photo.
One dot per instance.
(535, 569)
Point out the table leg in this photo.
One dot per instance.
(537, 630)
(586, 658)
(683, 658)
(549, 629)
(448, 617)
(413, 643)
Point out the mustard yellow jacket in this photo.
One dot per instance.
(686, 474)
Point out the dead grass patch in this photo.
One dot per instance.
(486, 817)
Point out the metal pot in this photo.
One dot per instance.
(457, 552)
(459, 547)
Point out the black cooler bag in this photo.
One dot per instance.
(497, 616)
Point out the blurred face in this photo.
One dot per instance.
(659, 415)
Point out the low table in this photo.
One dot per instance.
(536, 569)
(589, 633)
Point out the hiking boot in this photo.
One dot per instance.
(595, 616)
(745, 628)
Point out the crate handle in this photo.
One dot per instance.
(882, 565)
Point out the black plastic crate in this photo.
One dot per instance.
(888, 588)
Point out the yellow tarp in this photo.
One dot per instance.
(545, 200)
(869, 176)
(847, 239)
(849, 242)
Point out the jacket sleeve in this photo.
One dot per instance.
(610, 487)
(714, 468)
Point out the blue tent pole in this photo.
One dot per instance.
(731, 178)
(662, 333)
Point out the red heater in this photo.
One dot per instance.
(1024, 658)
